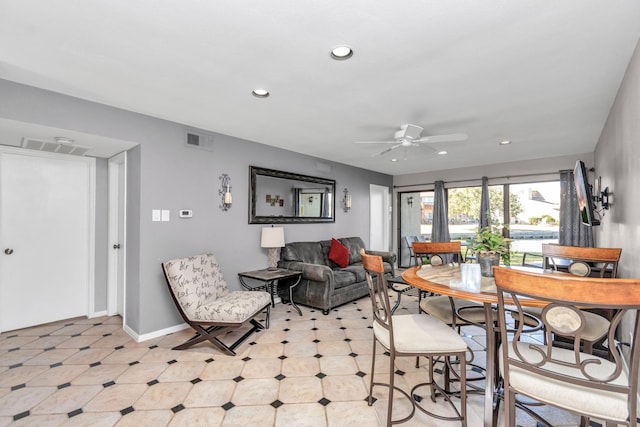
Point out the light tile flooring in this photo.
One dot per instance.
(302, 371)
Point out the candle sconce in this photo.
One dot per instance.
(225, 192)
(346, 201)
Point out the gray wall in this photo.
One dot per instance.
(164, 174)
(617, 160)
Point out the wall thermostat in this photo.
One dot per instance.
(186, 213)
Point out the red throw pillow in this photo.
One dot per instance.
(339, 253)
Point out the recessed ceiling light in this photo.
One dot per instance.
(340, 53)
(260, 93)
(506, 142)
(394, 160)
(442, 153)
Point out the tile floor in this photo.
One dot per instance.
(302, 371)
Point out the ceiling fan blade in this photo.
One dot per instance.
(388, 149)
(443, 138)
(375, 142)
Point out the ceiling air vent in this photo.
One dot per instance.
(198, 140)
(54, 147)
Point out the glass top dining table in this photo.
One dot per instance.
(445, 280)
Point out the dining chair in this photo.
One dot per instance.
(204, 301)
(582, 261)
(410, 335)
(443, 307)
(568, 378)
(455, 312)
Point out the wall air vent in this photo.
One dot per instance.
(54, 147)
(198, 140)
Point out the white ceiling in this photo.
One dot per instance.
(541, 73)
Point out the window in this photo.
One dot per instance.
(534, 220)
(532, 216)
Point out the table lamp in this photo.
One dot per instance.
(273, 239)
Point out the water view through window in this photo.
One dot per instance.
(532, 216)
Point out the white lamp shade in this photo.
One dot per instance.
(272, 237)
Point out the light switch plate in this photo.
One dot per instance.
(155, 215)
(165, 215)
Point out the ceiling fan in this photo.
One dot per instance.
(409, 136)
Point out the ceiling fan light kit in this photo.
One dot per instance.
(409, 132)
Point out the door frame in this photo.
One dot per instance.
(117, 211)
(385, 210)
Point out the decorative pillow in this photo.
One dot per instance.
(339, 253)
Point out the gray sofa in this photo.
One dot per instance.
(324, 284)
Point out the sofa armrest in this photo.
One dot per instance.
(389, 257)
(314, 272)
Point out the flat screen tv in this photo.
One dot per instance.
(585, 198)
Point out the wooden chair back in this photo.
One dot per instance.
(378, 291)
(566, 377)
(608, 258)
(428, 249)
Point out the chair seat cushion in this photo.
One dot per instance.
(596, 403)
(440, 307)
(418, 333)
(234, 307)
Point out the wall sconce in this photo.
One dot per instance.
(602, 196)
(346, 200)
(410, 201)
(273, 239)
(225, 192)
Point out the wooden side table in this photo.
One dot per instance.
(270, 279)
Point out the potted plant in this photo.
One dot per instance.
(490, 246)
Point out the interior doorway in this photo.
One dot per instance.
(379, 218)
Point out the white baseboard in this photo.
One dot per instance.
(154, 334)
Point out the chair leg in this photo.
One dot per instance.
(208, 334)
(212, 333)
(510, 407)
(463, 390)
(391, 385)
(373, 367)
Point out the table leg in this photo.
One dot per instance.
(291, 301)
(492, 372)
(272, 288)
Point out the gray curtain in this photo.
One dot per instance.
(572, 231)
(440, 228)
(485, 214)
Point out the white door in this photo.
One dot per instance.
(379, 218)
(117, 209)
(47, 204)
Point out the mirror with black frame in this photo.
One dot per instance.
(278, 197)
